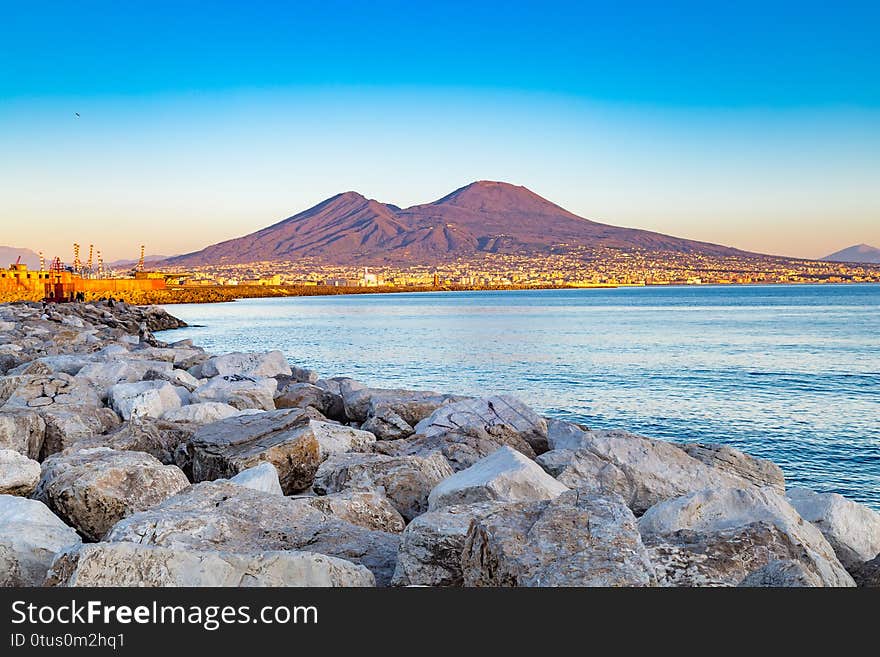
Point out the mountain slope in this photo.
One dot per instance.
(9, 254)
(481, 217)
(858, 253)
(129, 262)
(346, 224)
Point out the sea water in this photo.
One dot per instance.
(789, 372)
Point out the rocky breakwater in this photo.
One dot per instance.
(128, 461)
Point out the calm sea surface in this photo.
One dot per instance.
(789, 373)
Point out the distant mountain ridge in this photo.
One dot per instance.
(485, 216)
(9, 254)
(128, 262)
(862, 253)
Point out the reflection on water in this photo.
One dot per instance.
(790, 373)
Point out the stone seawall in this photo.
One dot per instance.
(128, 461)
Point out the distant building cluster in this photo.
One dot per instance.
(570, 267)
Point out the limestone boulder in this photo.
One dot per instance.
(566, 435)
(18, 474)
(302, 395)
(68, 426)
(571, 540)
(462, 451)
(69, 408)
(201, 413)
(782, 573)
(304, 374)
(642, 471)
(406, 480)
(221, 516)
(267, 364)
(262, 477)
(104, 375)
(158, 438)
(388, 425)
(759, 472)
(176, 377)
(61, 363)
(23, 431)
(92, 489)
(143, 399)
(132, 564)
(853, 530)
(339, 385)
(367, 508)
(718, 536)
(283, 438)
(410, 406)
(30, 537)
(242, 392)
(336, 439)
(505, 476)
(498, 417)
(556, 461)
(432, 545)
(41, 391)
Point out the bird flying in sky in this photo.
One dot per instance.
(77, 114)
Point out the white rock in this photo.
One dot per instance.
(220, 515)
(491, 415)
(132, 564)
(180, 378)
(566, 435)
(66, 363)
(263, 477)
(271, 363)
(759, 472)
(240, 391)
(782, 573)
(366, 508)
(30, 536)
(571, 540)
(745, 518)
(556, 461)
(406, 480)
(505, 475)
(92, 489)
(144, 399)
(852, 529)
(407, 406)
(335, 439)
(22, 431)
(201, 413)
(431, 549)
(641, 470)
(18, 474)
(227, 447)
(104, 375)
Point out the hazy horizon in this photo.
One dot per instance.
(737, 126)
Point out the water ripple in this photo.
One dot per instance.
(790, 373)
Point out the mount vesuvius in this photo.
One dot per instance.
(490, 217)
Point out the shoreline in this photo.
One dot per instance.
(224, 294)
(246, 455)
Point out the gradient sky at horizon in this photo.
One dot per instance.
(755, 125)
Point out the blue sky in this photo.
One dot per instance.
(750, 124)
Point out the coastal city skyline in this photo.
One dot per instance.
(485, 235)
(207, 132)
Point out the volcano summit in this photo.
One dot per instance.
(487, 217)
